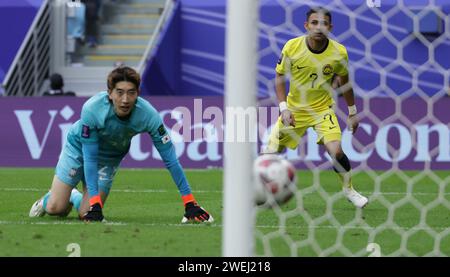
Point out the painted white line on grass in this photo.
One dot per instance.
(80, 223)
(216, 191)
(141, 190)
(22, 189)
(126, 224)
(115, 190)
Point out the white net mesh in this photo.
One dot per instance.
(398, 66)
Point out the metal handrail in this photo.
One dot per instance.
(32, 62)
(168, 9)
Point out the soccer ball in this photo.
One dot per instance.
(274, 180)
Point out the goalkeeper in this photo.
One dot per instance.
(97, 143)
(313, 63)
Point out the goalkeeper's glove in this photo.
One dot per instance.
(94, 214)
(95, 211)
(193, 212)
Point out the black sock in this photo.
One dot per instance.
(344, 165)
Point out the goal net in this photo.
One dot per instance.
(399, 60)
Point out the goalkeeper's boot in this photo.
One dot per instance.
(37, 209)
(357, 199)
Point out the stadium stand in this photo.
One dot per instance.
(128, 30)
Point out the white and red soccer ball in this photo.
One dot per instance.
(274, 180)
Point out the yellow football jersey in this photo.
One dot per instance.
(311, 73)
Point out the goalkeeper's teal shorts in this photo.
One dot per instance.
(70, 170)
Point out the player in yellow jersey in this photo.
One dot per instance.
(312, 63)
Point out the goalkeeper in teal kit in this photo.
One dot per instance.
(97, 143)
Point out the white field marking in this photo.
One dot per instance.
(115, 190)
(217, 191)
(126, 224)
(22, 189)
(185, 170)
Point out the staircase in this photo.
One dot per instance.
(124, 31)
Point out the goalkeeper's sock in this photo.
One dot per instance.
(75, 199)
(44, 204)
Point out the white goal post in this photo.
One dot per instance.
(240, 92)
(399, 60)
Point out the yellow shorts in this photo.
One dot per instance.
(324, 123)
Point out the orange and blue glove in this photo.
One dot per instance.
(95, 212)
(193, 212)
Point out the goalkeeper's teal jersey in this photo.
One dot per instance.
(99, 123)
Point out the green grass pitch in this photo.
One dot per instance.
(144, 211)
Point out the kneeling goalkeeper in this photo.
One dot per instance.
(97, 143)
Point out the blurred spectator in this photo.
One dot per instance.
(92, 16)
(56, 87)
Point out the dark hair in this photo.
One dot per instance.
(321, 10)
(56, 81)
(123, 73)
